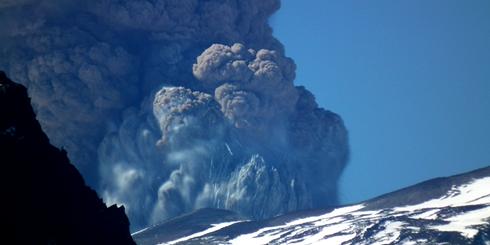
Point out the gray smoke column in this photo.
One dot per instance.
(167, 106)
(179, 110)
(252, 87)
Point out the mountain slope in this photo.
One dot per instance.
(451, 210)
(44, 197)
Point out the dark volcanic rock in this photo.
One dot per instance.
(44, 197)
(184, 225)
(425, 191)
(449, 210)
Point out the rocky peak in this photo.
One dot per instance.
(44, 197)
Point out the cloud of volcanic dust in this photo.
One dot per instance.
(167, 106)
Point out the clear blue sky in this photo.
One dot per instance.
(410, 78)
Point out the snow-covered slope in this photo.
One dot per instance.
(453, 210)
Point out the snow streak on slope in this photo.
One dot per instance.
(213, 228)
(385, 226)
(266, 235)
(460, 216)
(473, 193)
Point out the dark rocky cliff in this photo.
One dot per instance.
(44, 197)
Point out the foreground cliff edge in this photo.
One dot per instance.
(44, 197)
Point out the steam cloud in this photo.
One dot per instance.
(166, 106)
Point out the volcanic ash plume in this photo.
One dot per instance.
(167, 106)
(252, 87)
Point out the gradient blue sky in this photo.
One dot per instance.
(410, 78)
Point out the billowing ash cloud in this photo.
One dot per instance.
(179, 110)
(10, 3)
(167, 106)
(259, 84)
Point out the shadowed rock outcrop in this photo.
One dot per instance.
(44, 197)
